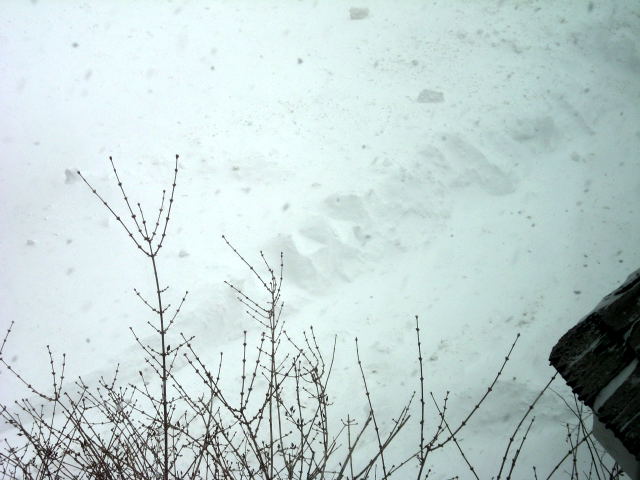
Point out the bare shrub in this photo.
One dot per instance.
(275, 426)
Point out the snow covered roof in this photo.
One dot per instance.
(598, 358)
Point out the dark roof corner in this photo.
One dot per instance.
(598, 358)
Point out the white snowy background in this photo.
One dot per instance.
(472, 162)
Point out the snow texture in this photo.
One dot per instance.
(508, 205)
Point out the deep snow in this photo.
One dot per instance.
(474, 163)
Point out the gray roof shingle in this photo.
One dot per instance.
(598, 358)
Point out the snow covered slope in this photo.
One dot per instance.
(475, 163)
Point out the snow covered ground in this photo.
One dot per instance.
(474, 163)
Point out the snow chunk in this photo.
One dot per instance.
(358, 13)
(430, 96)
